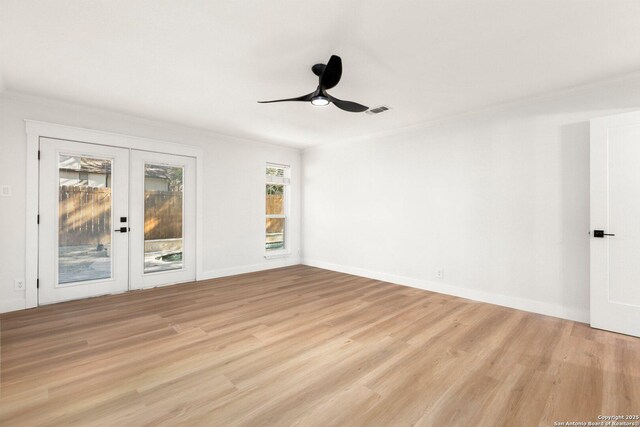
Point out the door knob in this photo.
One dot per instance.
(122, 230)
(601, 233)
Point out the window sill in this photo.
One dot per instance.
(277, 254)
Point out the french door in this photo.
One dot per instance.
(163, 234)
(113, 219)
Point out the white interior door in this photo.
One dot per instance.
(84, 190)
(615, 223)
(163, 219)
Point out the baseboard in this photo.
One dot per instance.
(533, 306)
(524, 304)
(13, 304)
(267, 265)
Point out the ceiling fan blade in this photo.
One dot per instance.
(332, 72)
(350, 106)
(300, 98)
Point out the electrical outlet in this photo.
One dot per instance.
(18, 285)
(5, 191)
(439, 273)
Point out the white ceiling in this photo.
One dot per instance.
(205, 63)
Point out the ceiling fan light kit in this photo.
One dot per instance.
(329, 76)
(320, 100)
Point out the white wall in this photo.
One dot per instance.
(233, 187)
(498, 199)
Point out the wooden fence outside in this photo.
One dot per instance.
(275, 226)
(85, 215)
(162, 215)
(274, 203)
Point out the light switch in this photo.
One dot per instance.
(5, 191)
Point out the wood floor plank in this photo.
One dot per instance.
(307, 347)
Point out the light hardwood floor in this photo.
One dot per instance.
(304, 346)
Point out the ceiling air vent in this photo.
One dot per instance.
(377, 110)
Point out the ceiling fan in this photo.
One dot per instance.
(329, 76)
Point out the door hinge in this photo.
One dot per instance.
(38, 283)
(38, 220)
(38, 154)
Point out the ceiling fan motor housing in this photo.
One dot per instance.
(318, 69)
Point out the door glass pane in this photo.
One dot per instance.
(84, 219)
(163, 191)
(275, 233)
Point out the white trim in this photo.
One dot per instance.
(199, 215)
(14, 304)
(37, 129)
(616, 120)
(530, 305)
(225, 272)
(31, 226)
(71, 133)
(278, 254)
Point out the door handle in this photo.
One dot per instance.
(601, 233)
(122, 230)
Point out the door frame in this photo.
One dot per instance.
(37, 129)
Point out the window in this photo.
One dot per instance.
(277, 209)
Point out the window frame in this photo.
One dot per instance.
(285, 181)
